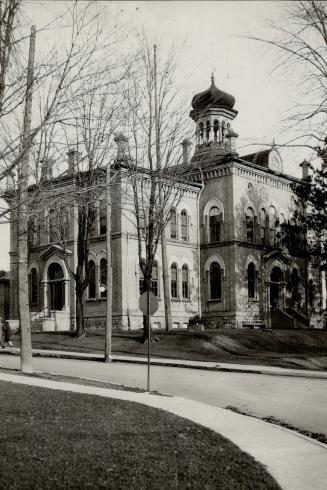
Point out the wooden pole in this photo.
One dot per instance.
(108, 339)
(165, 275)
(23, 299)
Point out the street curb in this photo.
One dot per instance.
(154, 362)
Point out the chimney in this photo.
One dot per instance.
(305, 165)
(46, 169)
(73, 158)
(121, 141)
(232, 137)
(186, 144)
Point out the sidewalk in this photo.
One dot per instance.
(295, 461)
(155, 361)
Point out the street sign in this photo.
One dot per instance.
(152, 300)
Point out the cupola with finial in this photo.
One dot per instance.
(212, 111)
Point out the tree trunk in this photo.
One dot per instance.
(80, 331)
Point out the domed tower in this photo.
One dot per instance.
(213, 112)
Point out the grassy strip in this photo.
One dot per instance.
(56, 439)
(318, 436)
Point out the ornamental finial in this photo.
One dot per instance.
(212, 78)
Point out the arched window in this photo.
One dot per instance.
(215, 129)
(33, 235)
(215, 281)
(173, 281)
(215, 218)
(92, 288)
(103, 278)
(173, 224)
(64, 223)
(92, 217)
(263, 224)
(53, 225)
(33, 287)
(295, 286)
(252, 286)
(201, 132)
(184, 225)
(223, 131)
(185, 282)
(249, 223)
(103, 217)
(155, 279)
(208, 127)
(272, 224)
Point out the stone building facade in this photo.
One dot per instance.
(225, 256)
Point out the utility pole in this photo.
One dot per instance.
(165, 275)
(23, 299)
(108, 339)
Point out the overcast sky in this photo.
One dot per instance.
(217, 41)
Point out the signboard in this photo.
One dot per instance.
(152, 300)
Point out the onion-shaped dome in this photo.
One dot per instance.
(212, 98)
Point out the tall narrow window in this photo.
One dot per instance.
(208, 127)
(249, 223)
(173, 281)
(251, 281)
(201, 132)
(185, 282)
(103, 217)
(33, 289)
(272, 225)
(215, 130)
(215, 281)
(173, 224)
(92, 217)
(103, 278)
(53, 225)
(184, 225)
(263, 221)
(215, 219)
(154, 280)
(64, 223)
(33, 235)
(91, 280)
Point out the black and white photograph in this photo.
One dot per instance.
(163, 245)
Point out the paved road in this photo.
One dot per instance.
(301, 402)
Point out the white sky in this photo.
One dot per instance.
(216, 41)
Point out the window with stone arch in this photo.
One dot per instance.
(215, 220)
(208, 127)
(184, 226)
(103, 278)
(216, 130)
(201, 133)
(53, 225)
(173, 224)
(272, 224)
(103, 216)
(263, 225)
(252, 281)
(92, 283)
(215, 281)
(174, 281)
(33, 287)
(185, 282)
(249, 224)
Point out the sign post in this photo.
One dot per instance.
(148, 305)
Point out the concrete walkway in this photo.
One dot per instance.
(155, 361)
(295, 461)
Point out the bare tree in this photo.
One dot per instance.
(157, 126)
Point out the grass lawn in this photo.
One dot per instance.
(55, 439)
(305, 349)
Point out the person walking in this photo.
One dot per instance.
(6, 334)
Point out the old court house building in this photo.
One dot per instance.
(224, 251)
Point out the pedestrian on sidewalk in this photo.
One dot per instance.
(2, 335)
(6, 333)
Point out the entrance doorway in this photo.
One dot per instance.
(56, 287)
(276, 279)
